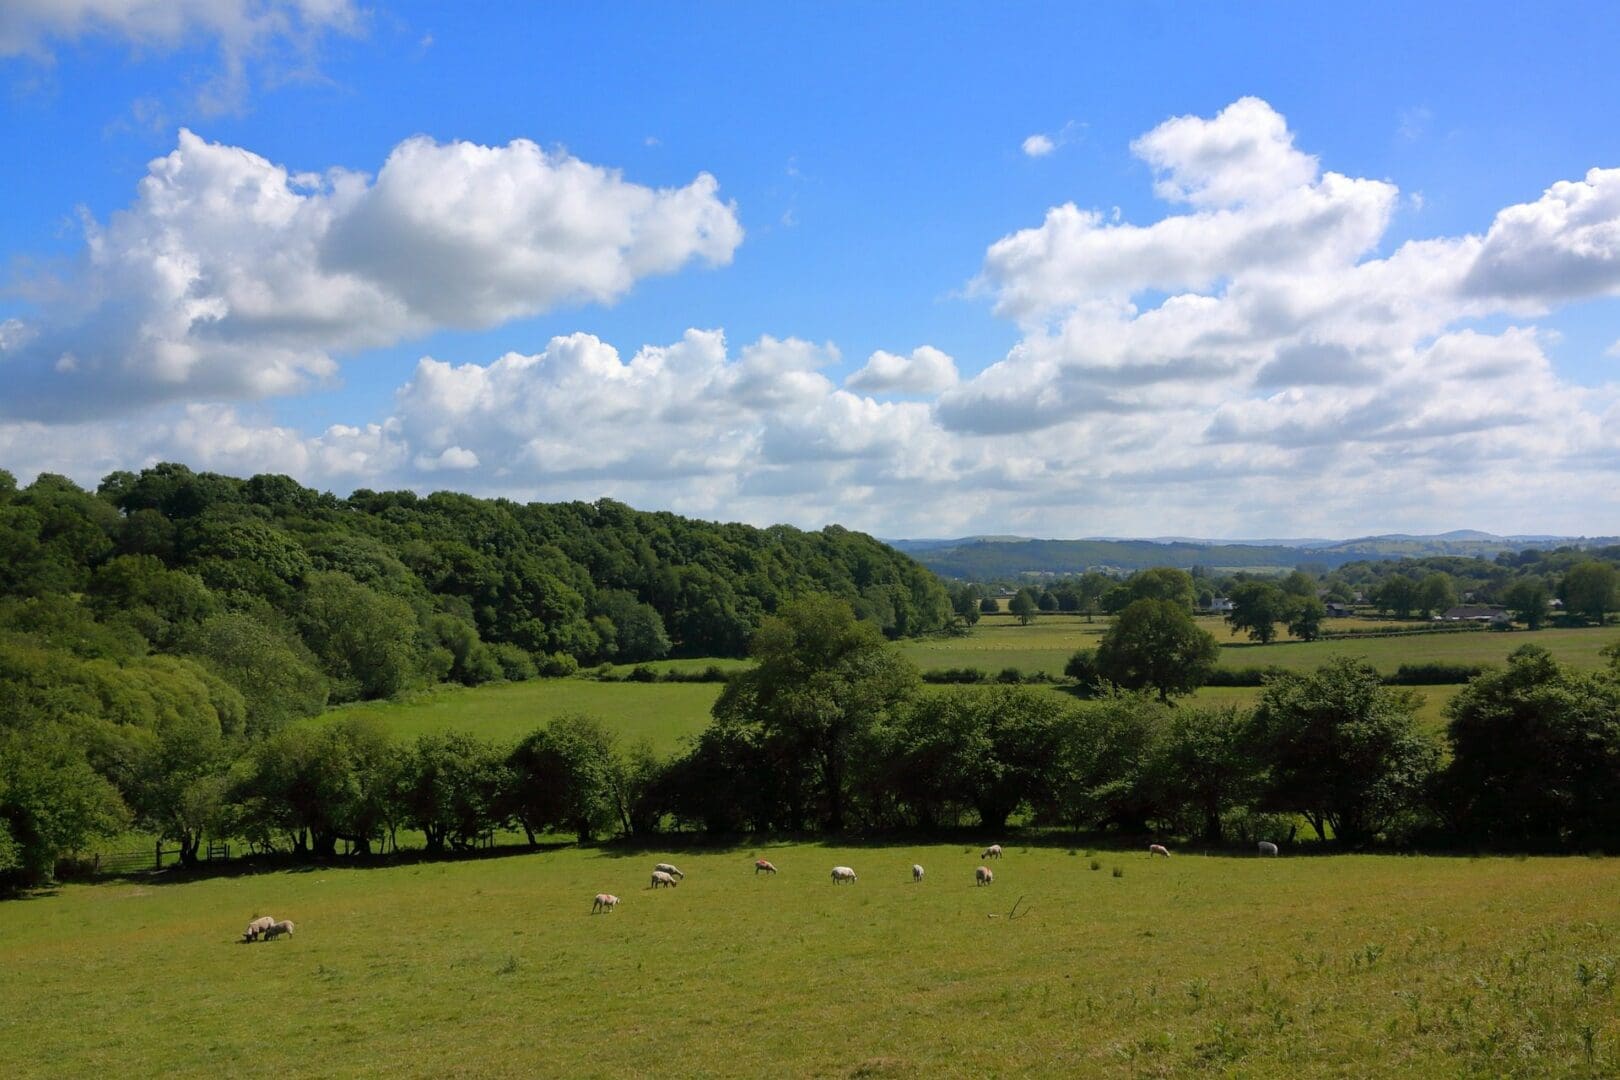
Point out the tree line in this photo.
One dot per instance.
(829, 730)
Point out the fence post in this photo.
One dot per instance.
(157, 858)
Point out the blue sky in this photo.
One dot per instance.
(900, 328)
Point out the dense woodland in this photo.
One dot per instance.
(156, 626)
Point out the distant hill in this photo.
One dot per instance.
(982, 558)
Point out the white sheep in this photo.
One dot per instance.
(1268, 848)
(991, 852)
(1158, 849)
(916, 872)
(277, 929)
(257, 927)
(669, 869)
(659, 877)
(983, 876)
(842, 873)
(765, 865)
(604, 902)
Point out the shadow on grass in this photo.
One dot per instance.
(972, 840)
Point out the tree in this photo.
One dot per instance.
(1154, 644)
(1535, 754)
(275, 673)
(1047, 601)
(821, 684)
(1591, 589)
(1205, 765)
(1298, 583)
(989, 605)
(1257, 607)
(1157, 583)
(1091, 587)
(1435, 594)
(1106, 775)
(451, 789)
(1343, 750)
(965, 602)
(51, 801)
(1305, 615)
(637, 628)
(1527, 599)
(1024, 606)
(366, 641)
(1397, 596)
(563, 777)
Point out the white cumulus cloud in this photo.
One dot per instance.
(232, 277)
(1255, 360)
(1038, 145)
(926, 371)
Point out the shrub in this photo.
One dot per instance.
(557, 665)
(954, 675)
(1119, 871)
(642, 673)
(1010, 675)
(516, 664)
(1240, 676)
(1096, 864)
(1432, 673)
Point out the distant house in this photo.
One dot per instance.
(1220, 605)
(1336, 610)
(1555, 604)
(1485, 613)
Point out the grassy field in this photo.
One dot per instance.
(663, 713)
(1046, 645)
(1296, 967)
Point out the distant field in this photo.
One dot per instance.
(1430, 714)
(1193, 966)
(1046, 644)
(1578, 648)
(664, 713)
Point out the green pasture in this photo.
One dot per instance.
(1047, 643)
(663, 713)
(1308, 966)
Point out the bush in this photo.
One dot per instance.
(516, 664)
(1010, 675)
(1432, 673)
(1082, 667)
(1240, 676)
(642, 673)
(714, 673)
(556, 665)
(955, 675)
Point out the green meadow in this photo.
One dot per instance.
(667, 713)
(1192, 966)
(662, 713)
(1047, 643)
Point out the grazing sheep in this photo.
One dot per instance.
(916, 872)
(604, 902)
(991, 852)
(1268, 848)
(257, 927)
(983, 876)
(659, 877)
(842, 873)
(669, 869)
(276, 930)
(765, 865)
(1158, 849)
